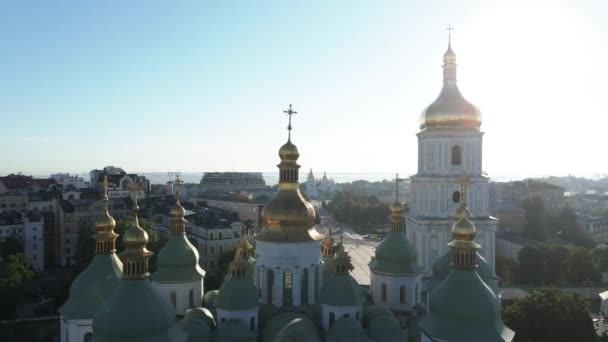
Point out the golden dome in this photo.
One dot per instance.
(135, 237)
(463, 234)
(461, 211)
(177, 211)
(289, 151)
(397, 208)
(288, 217)
(450, 109)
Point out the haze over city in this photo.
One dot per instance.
(172, 87)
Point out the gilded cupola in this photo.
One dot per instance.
(135, 256)
(105, 237)
(288, 217)
(450, 109)
(464, 247)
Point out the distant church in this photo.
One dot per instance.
(317, 187)
(295, 283)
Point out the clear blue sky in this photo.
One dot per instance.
(201, 85)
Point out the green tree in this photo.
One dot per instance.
(554, 259)
(507, 269)
(358, 209)
(13, 271)
(10, 246)
(530, 265)
(536, 225)
(600, 257)
(214, 280)
(550, 315)
(581, 267)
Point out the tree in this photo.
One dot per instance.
(10, 246)
(550, 315)
(580, 266)
(530, 265)
(507, 269)
(359, 209)
(536, 226)
(13, 271)
(213, 281)
(554, 259)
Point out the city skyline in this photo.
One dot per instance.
(202, 87)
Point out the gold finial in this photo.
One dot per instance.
(105, 237)
(177, 213)
(239, 265)
(328, 244)
(464, 186)
(289, 112)
(463, 243)
(135, 256)
(397, 187)
(245, 246)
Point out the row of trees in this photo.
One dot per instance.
(14, 270)
(540, 226)
(360, 210)
(554, 265)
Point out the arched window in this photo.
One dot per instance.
(191, 298)
(271, 289)
(252, 324)
(456, 196)
(174, 299)
(211, 263)
(402, 295)
(287, 287)
(384, 292)
(332, 319)
(88, 337)
(416, 294)
(304, 286)
(456, 155)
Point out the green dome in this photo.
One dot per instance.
(346, 329)
(202, 314)
(237, 295)
(291, 326)
(340, 290)
(395, 255)
(135, 312)
(371, 312)
(196, 325)
(386, 329)
(442, 267)
(92, 287)
(177, 262)
(209, 299)
(464, 308)
(235, 330)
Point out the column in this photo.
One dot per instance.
(263, 284)
(296, 287)
(312, 271)
(278, 287)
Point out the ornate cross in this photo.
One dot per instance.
(464, 184)
(105, 186)
(397, 179)
(134, 189)
(290, 112)
(450, 28)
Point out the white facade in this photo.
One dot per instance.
(398, 292)
(283, 268)
(34, 243)
(330, 314)
(76, 330)
(443, 156)
(316, 187)
(66, 179)
(182, 296)
(248, 317)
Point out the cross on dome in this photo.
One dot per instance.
(290, 112)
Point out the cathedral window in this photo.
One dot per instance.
(271, 289)
(212, 250)
(287, 287)
(384, 292)
(456, 155)
(304, 286)
(402, 295)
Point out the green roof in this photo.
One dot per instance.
(92, 287)
(464, 308)
(202, 314)
(442, 267)
(196, 325)
(346, 329)
(209, 299)
(235, 330)
(370, 312)
(340, 290)
(135, 312)
(386, 329)
(237, 295)
(395, 255)
(177, 262)
(291, 326)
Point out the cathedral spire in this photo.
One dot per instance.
(397, 211)
(177, 213)
(105, 237)
(462, 209)
(463, 243)
(449, 60)
(328, 245)
(289, 112)
(135, 255)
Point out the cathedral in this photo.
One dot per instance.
(431, 278)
